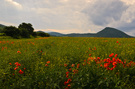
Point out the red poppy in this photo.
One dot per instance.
(65, 83)
(15, 68)
(73, 65)
(69, 85)
(65, 65)
(77, 65)
(70, 69)
(21, 72)
(48, 62)
(69, 80)
(10, 64)
(18, 52)
(111, 55)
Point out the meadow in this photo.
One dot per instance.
(67, 63)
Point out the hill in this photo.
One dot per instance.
(1, 27)
(81, 35)
(106, 32)
(56, 34)
(111, 32)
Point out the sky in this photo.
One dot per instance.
(70, 16)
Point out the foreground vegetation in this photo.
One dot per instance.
(67, 63)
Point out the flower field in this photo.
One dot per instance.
(67, 63)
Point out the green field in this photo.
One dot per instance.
(67, 63)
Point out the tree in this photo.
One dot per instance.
(27, 26)
(34, 34)
(42, 34)
(12, 31)
(24, 33)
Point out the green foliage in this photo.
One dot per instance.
(42, 34)
(12, 31)
(50, 63)
(27, 26)
(34, 34)
(24, 33)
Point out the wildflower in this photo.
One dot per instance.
(65, 65)
(21, 72)
(24, 68)
(106, 65)
(70, 69)
(111, 68)
(67, 75)
(67, 72)
(116, 55)
(69, 80)
(114, 63)
(111, 55)
(15, 68)
(48, 62)
(77, 65)
(101, 65)
(18, 52)
(73, 65)
(69, 85)
(10, 64)
(65, 83)
(117, 41)
(13, 74)
(17, 64)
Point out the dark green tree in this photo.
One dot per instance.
(34, 34)
(12, 31)
(27, 26)
(42, 34)
(24, 33)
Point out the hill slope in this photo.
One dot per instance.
(1, 27)
(106, 32)
(56, 34)
(111, 32)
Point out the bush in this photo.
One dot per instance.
(42, 34)
(12, 31)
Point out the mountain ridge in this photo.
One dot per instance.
(106, 32)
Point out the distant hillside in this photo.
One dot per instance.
(111, 32)
(1, 27)
(106, 32)
(56, 34)
(81, 35)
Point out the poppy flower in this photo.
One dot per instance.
(69, 80)
(48, 62)
(18, 52)
(77, 65)
(10, 64)
(73, 65)
(21, 72)
(65, 65)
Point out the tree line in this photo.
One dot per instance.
(24, 30)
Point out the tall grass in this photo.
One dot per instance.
(66, 62)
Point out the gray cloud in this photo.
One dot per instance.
(70, 15)
(104, 11)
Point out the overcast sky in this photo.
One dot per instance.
(70, 16)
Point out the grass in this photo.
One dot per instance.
(67, 62)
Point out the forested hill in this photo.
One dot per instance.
(111, 32)
(106, 32)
